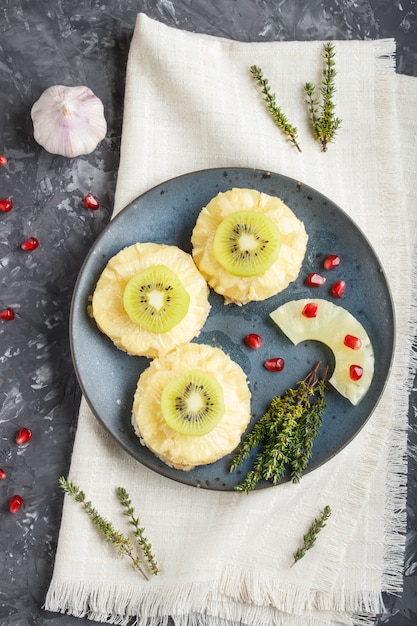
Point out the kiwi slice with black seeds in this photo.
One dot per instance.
(246, 243)
(193, 403)
(156, 299)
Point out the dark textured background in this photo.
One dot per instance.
(43, 43)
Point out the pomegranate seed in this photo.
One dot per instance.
(331, 261)
(15, 503)
(2, 474)
(3, 160)
(30, 244)
(355, 372)
(6, 204)
(314, 280)
(352, 342)
(275, 365)
(23, 435)
(310, 309)
(338, 289)
(7, 314)
(253, 341)
(91, 202)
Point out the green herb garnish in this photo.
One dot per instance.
(310, 537)
(122, 543)
(142, 541)
(278, 116)
(285, 433)
(323, 120)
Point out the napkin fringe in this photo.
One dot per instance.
(117, 604)
(398, 454)
(389, 150)
(229, 614)
(186, 606)
(292, 599)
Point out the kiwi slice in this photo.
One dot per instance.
(193, 403)
(246, 243)
(156, 299)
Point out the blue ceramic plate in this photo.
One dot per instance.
(167, 214)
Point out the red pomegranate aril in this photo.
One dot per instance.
(6, 205)
(30, 244)
(275, 365)
(331, 261)
(352, 342)
(23, 435)
(3, 160)
(253, 341)
(314, 280)
(15, 503)
(310, 309)
(7, 314)
(355, 372)
(91, 202)
(338, 289)
(2, 474)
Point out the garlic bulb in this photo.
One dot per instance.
(68, 120)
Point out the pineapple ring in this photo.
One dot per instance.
(330, 326)
(184, 452)
(282, 272)
(107, 302)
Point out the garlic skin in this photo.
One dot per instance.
(68, 120)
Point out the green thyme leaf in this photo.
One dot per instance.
(122, 543)
(277, 115)
(284, 434)
(322, 117)
(310, 537)
(142, 541)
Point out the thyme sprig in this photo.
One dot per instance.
(278, 116)
(138, 531)
(309, 428)
(323, 120)
(285, 433)
(310, 537)
(122, 543)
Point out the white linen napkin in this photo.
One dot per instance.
(191, 104)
